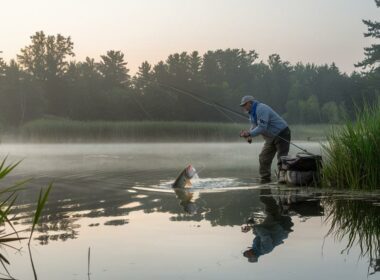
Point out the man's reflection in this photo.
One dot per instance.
(375, 264)
(271, 232)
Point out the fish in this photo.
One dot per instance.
(183, 179)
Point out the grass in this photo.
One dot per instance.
(42, 198)
(352, 153)
(8, 197)
(147, 131)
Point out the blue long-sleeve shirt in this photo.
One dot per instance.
(265, 121)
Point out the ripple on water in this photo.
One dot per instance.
(203, 185)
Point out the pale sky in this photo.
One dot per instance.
(315, 31)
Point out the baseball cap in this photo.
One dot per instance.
(246, 99)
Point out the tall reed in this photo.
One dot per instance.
(131, 131)
(48, 130)
(352, 152)
(42, 198)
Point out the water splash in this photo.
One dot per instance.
(203, 185)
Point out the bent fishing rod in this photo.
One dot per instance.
(209, 102)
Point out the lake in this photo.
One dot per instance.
(112, 214)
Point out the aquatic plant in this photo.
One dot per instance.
(42, 198)
(147, 131)
(8, 197)
(134, 131)
(352, 152)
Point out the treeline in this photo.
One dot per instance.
(43, 83)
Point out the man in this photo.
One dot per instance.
(275, 131)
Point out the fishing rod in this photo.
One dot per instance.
(209, 102)
(204, 100)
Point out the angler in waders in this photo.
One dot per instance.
(266, 122)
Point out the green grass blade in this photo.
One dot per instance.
(18, 186)
(3, 162)
(4, 213)
(5, 171)
(40, 205)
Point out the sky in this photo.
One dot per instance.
(308, 31)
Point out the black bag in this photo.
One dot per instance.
(303, 169)
(302, 162)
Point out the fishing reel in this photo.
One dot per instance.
(245, 134)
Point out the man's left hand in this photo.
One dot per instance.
(244, 133)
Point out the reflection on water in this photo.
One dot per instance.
(270, 231)
(133, 219)
(186, 199)
(358, 219)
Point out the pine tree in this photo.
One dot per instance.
(372, 53)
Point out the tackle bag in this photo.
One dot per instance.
(303, 169)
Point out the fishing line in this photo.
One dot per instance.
(214, 104)
(203, 100)
(202, 167)
(222, 107)
(291, 143)
(225, 114)
(142, 108)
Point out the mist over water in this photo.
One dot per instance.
(75, 158)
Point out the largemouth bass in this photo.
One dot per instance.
(183, 179)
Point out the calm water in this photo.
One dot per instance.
(116, 199)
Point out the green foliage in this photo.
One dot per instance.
(372, 53)
(44, 84)
(113, 69)
(306, 110)
(23, 97)
(44, 60)
(8, 197)
(45, 57)
(330, 112)
(5, 170)
(352, 152)
(2, 66)
(315, 90)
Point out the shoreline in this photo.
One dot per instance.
(66, 131)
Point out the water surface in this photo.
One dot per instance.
(117, 200)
